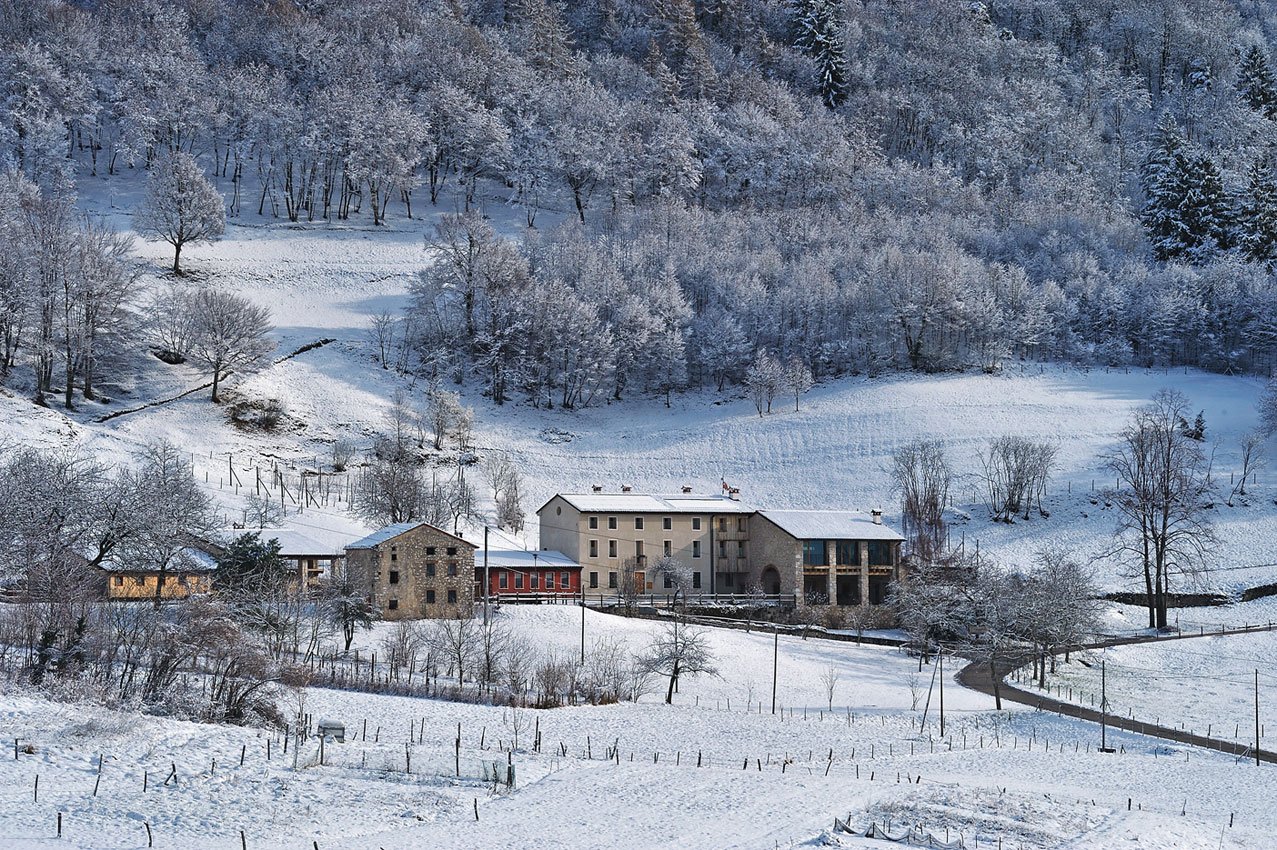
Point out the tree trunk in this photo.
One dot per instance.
(997, 681)
(177, 256)
(217, 374)
(669, 694)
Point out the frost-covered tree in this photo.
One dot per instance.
(763, 380)
(1268, 409)
(181, 206)
(678, 650)
(796, 377)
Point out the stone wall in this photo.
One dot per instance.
(422, 573)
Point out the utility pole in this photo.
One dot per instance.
(942, 693)
(775, 661)
(1104, 707)
(487, 581)
(582, 625)
(1256, 717)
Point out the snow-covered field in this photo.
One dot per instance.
(1033, 780)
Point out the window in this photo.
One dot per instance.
(696, 548)
(430, 550)
(452, 597)
(729, 579)
(594, 522)
(849, 552)
(740, 523)
(669, 581)
(696, 579)
(430, 569)
(638, 548)
(119, 581)
(139, 580)
(722, 548)
(667, 523)
(611, 548)
(594, 548)
(611, 522)
(452, 551)
(394, 576)
(393, 605)
(549, 581)
(565, 581)
(740, 548)
(518, 581)
(452, 569)
(534, 582)
(638, 523)
(503, 580)
(667, 548)
(394, 556)
(696, 523)
(594, 579)
(430, 597)
(814, 554)
(722, 523)
(611, 580)
(879, 552)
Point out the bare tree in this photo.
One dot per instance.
(829, 681)
(1253, 456)
(181, 206)
(506, 482)
(390, 490)
(1164, 526)
(458, 641)
(676, 651)
(922, 475)
(229, 333)
(381, 333)
(1015, 471)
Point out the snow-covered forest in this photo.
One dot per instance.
(859, 186)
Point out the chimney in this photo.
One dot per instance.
(734, 494)
(626, 489)
(597, 489)
(687, 489)
(876, 513)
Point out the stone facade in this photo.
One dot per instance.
(854, 572)
(414, 571)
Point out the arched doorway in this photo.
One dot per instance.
(771, 580)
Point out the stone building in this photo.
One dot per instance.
(835, 557)
(620, 536)
(817, 556)
(413, 570)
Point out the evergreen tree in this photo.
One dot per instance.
(1255, 83)
(250, 567)
(816, 32)
(1257, 224)
(1187, 213)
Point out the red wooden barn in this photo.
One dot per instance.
(519, 572)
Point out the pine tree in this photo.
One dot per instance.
(1187, 213)
(816, 32)
(1255, 83)
(1257, 224)
(1206, 212)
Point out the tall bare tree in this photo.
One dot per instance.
(923, 475)
(1164, 526)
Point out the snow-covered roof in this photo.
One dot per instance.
(830, 525)
(293, 543)
(187, 560)
(398, 528)
(379, 537)
(640, 503)
(521, 559)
